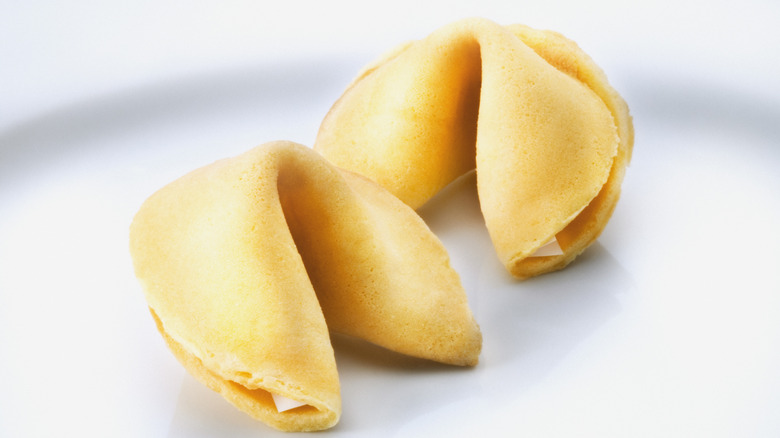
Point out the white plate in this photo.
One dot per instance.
(667, 326)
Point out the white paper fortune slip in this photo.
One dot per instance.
(551, 248)
(284, 403)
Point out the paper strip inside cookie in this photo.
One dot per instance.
(284, 403)
(551, 248)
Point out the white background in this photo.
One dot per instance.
(668, 326)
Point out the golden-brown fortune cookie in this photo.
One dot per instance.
(548, 136)
(246, 264)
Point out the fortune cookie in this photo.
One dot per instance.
(549, 137)
(247, 263)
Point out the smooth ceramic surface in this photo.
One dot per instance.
(668, 326)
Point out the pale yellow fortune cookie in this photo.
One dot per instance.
(548, 136)
(248, 262)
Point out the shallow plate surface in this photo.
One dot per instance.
(667, 326)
